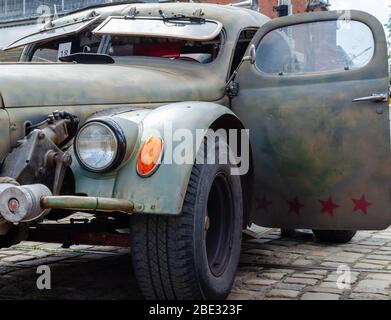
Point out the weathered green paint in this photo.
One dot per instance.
(4, 132)
(311, 141)
(106, 84)
(164, 191)
(308, 140)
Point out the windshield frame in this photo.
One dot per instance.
(84, 24)
(217, 31)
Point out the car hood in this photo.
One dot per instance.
(26, 85)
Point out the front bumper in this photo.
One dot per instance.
(31, 202)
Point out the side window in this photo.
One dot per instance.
(51, 51)
(244, 40)
(45, 55)
(316, 47)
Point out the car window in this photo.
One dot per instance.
(51, 51)
(123, 48)
(316, 47)
(242, 44)
(53, 33)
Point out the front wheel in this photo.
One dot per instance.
(193, 255)
(334, 236)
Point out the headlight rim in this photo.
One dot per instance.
(120, 139)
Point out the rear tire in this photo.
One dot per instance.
(334, 236)
(193, 255)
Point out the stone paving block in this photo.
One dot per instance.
(307, 276)
(303, 262)
(51, 246)
(17, 258)
(334, 265)
(358, 249)
(320, 253)
(259, 281)
(327, 290)
(368, 296)
(319, 296)
(273, 275)
(261, 252)
(10, 252)
(340, 259)
(287, 255)
(379, 276)
(372, 286)
(39, 253)
(317, 271)
(242, 274)
(346, 254)
(283, 293)
(81, 247)
(239, 296)
(329, 284)
(379, 262)
(273, 260)
(280, 270)
(31, 243)
(378, 257)
(290, 286)
(304, 281)
(367, 266)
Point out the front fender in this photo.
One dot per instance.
(164, 191)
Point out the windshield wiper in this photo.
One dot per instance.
(181, 17)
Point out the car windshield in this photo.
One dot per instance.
(122, 49)
(176, 38)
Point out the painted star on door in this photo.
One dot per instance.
(263, 203)
(328, 206)
(361, 204)
(295, 206)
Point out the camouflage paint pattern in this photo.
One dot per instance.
(321, 160)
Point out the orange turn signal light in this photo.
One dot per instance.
(150, 155)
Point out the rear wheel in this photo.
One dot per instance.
(334, 236)
(193, 255)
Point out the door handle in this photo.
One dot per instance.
(376, 97)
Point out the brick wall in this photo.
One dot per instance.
(266, 6)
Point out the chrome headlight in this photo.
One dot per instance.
(100, 145)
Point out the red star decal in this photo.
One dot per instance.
(361, 204)
(263, 203)
(295, 206)
(328, 206)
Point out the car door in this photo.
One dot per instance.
(315, 104)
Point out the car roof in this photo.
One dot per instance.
(231, 17)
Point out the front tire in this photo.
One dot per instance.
(193, 255)
(334, 236)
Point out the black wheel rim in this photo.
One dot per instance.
(219, 224)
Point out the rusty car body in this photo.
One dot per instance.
(312, 97)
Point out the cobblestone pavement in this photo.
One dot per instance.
(271, 268)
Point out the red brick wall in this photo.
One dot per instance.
(266, 6)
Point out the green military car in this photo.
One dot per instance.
(195, 120)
